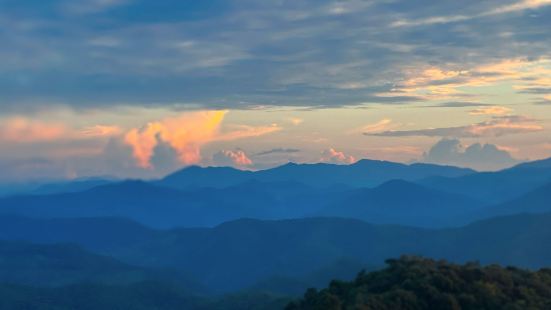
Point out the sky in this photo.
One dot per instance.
(138, 88)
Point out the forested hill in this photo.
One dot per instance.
(417, 283)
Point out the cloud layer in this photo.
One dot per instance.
(232, 54)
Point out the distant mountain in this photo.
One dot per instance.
(58, 265)
(395, 202)
(166, 207)
(536, 201)
(134, 199)
(196, 176)
(70, 186)
(405, 203)
(242, 253)
(542, 163)
(364, 173)
(496, 187)
(41, 187)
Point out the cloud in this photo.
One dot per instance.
(502, 9)
(24, 130)
(295, 121)
(382, 125)
(458, 104)
(218, 55)
(496, 127)
(495, 110)
(439, 83)
(477, 156)
(278, 150)
(91, 6)
(20, 129)
(545, 101)
(335, 157)
(186, 134)
(227, 158)
(101, 131)
(245, 131)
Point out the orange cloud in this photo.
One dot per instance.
(503, 125)
(228, 158)
(244, 131)
(143, 143)
(23, 130)
(186, 134)
(382, 125)
(295, 121)
(333, 156)
(436, 83)
(100, 131)
(496, 110)
(26, 130)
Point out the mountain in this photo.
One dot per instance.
(163, 207)
(536, 201)
(405, 203)
(196, 176)
(240, 254)
(70, 186)
(495, 187)
(135, 199)
(416, 283)
(542, 163)
(364, 173)
(56, 265)
(153, 205)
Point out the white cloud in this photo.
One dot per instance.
(515, 7)
(477, 156)
(228, 158)
(336, 157)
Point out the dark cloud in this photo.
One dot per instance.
(277, 151)
(477, 156)
(241, 54)
(495, 127)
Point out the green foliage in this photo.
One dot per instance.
(417, 283)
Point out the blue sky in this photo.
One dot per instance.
(140, 88)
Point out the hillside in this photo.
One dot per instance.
(495, 187)
(163, 207)
(404, 203)
(59, 265)
(535, 201)
(149, 204)
(416, 283)
(242, 253)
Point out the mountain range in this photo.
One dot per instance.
(239, 254)
(266, 235)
